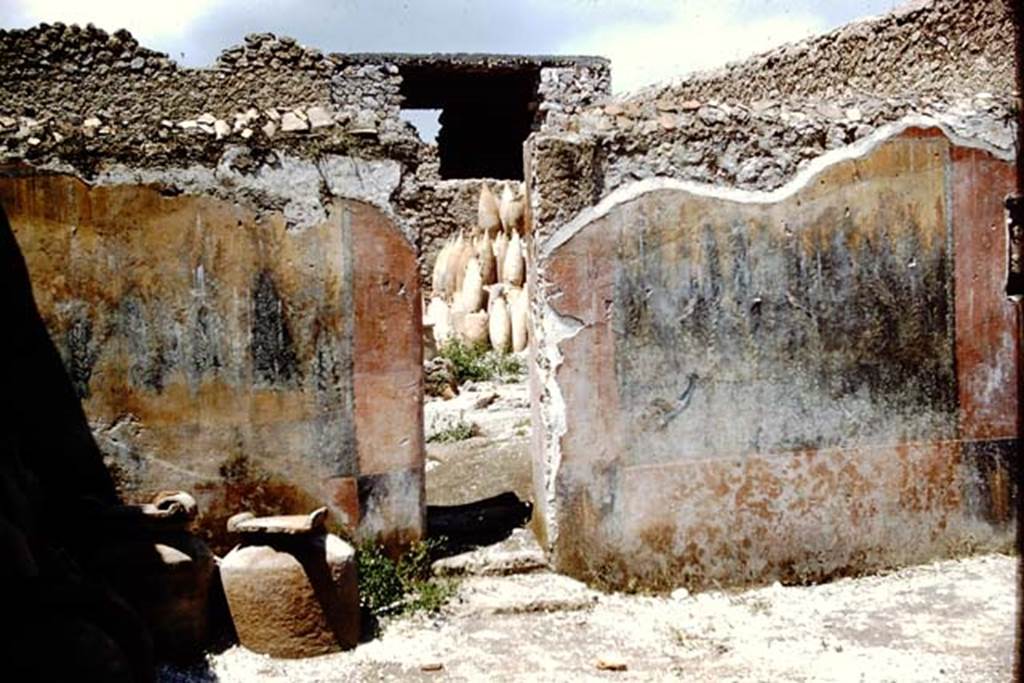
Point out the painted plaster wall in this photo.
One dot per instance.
(218, 352)
(741, 387)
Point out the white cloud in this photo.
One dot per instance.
(151, 22)
(691, 35)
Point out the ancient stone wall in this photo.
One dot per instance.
(743, 386)
(226, 259)
(80, 99)
(216, 351)
(727, 317)
(755, 124)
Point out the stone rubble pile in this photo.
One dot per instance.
(478, 280)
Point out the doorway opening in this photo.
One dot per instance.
(485, 115)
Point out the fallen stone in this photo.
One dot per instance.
(689, 105)
(610, 662)
(432, 666)
(92, 122)
(221, 129)
(319, 117)
(208, 119)
(291, 122)
(485, 400)
(518, 554)
(830, 111)
(243, 119)
(188, 124)
(269, 129)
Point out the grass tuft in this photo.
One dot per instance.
(406, 585)
(480, 364)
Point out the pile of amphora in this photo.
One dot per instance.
(479, 293)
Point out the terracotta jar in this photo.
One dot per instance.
(291, 587)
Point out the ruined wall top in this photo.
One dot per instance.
(753, 125)
(925, 47)
(82, 96)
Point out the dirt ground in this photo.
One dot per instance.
(494, 461)
(950, 620)
(513, 620)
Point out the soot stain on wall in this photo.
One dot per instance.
(273, 354)
(738, 336)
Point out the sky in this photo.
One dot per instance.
(647, 40)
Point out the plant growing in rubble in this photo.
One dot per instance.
(480, 364)
(400, 586)
(452, 431)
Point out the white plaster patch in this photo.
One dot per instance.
(555, 329)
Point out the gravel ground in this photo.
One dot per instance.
(951, 620)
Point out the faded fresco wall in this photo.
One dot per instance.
(218, 352)
(745, 387)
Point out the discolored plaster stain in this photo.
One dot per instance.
(80, 351)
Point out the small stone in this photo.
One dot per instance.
(187, 124)
(243, 119)
(854, 114)
(57, 137)
(269, 129)
(291, 122)
(208, 119)
(485, 401)
(247, 132)
(613, 109)
(137, 63)
(221, 128)
(830, 111)
(610, 662)
(680, 594)
(167, 123)
(272, 115)
(689, 105)
(431, 666)
(667, 121)
(319, 117)
(34, 141)
(92, 122)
